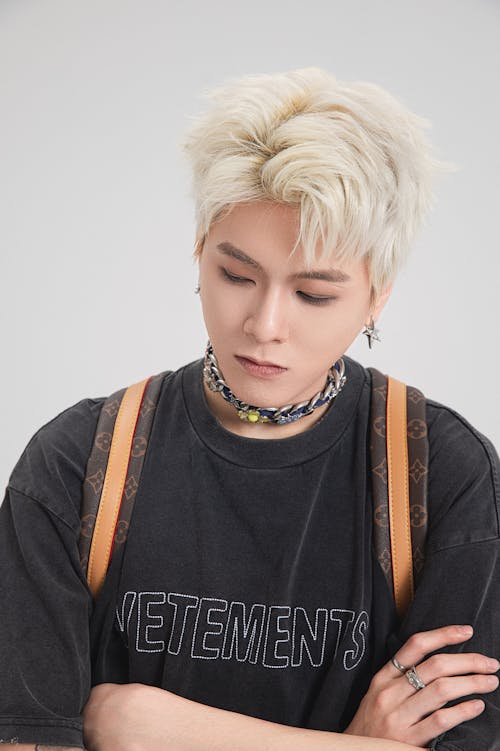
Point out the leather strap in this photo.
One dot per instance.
(103, 510)
(418, 471)
(109, 507)
(399, 502)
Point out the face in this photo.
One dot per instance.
(257, 303)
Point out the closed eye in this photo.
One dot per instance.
(310, 299)
(232, 278)
(313, 300)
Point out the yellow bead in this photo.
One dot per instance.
(253, 416)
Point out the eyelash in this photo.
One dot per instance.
(310, 299)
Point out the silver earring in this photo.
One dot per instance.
(371, 332)
(197, 289)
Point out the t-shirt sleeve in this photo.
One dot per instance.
(46, 603)
(460, 581)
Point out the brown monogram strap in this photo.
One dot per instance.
(114, 483)
(399, 497)
(113, 473)
(417, 453)
(417, 448)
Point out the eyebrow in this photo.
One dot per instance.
(330, 275)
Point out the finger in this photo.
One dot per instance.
(438, 693)
(421, 643)
(444, 719)
(444, 664)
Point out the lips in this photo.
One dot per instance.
(262, 362)
(254, 368)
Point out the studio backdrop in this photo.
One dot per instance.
(96, 218)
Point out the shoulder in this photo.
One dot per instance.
(52, 466)
(463, 476)
(464, 480)
(449, 430)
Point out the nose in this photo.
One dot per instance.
(267, 320)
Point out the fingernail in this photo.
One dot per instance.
(493, 664)
(467, 630)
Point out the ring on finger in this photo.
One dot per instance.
(414, 678)
(398, 665)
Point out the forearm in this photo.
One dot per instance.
(36, 747)
(198, 727)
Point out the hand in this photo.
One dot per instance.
(127, 717)
(394, 710)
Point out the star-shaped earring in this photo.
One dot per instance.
(372, 333)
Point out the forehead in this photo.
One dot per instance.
(327, 274)
(261, 216)
(262, 234)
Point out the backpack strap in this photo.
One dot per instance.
(399, 454)
(399, 470)
(112, 475)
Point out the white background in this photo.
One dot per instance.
(96, 221)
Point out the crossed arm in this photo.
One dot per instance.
(179, 724)
(390, 717)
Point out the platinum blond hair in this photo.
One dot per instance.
(349, 155)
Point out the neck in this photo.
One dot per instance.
(227, 415)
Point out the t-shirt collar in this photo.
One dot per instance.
(273, 452)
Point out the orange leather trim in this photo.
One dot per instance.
(399, 501)
(116, 473)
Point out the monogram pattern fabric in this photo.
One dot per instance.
(95, 474)
(418, 459)
(418, 470)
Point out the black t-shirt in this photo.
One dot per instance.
(249, 581)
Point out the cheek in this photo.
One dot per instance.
(219, 312)
(333, 331)
(211, 315)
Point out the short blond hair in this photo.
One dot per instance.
(350, 155)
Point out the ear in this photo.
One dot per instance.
(198, 249)
(379, 303)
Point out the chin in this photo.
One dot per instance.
(260, 392)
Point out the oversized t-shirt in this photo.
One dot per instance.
(249, 580)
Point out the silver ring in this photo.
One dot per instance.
(414, 678)
(398, 665)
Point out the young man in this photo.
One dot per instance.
(249, 610)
